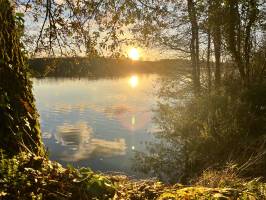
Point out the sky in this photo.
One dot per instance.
(33, 28)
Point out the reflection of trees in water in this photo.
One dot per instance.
(207, 131)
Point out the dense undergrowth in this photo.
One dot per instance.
(27, 176)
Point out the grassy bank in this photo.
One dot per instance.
(31, 177)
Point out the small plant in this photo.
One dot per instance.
(27, 176)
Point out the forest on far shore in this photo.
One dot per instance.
(102, 67)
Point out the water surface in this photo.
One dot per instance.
(96, 123)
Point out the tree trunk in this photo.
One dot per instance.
(217, 54)
(252, 17)
(234, 36)
(215, 24)
(19, 127)
(194, 44)
(208, 61)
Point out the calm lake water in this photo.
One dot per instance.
(96, 123)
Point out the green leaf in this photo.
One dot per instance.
(20, 14)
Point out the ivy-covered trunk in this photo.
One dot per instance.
(19, 126)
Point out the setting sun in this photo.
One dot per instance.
(133, 54)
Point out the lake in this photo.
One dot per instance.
(97, 123)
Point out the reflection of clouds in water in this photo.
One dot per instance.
(109, 148)
(117, 110)
(81, 145)
(73, 135)
(111, 110)
(130, 117)
(119, 97)
(133, 122)
(46, 135)
(66, 108)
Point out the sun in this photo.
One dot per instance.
(133, 54)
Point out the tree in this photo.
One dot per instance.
(70, 28)
(215, 23)
(194, 43)
(174, 27)
(181, 26)
(240, 33)
(207, 131)
(19, 127)
(227, 124)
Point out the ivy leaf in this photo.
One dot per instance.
(20, 15)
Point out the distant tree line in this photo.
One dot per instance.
(102, 67)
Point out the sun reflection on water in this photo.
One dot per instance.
(134, 81)
(133, 120)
